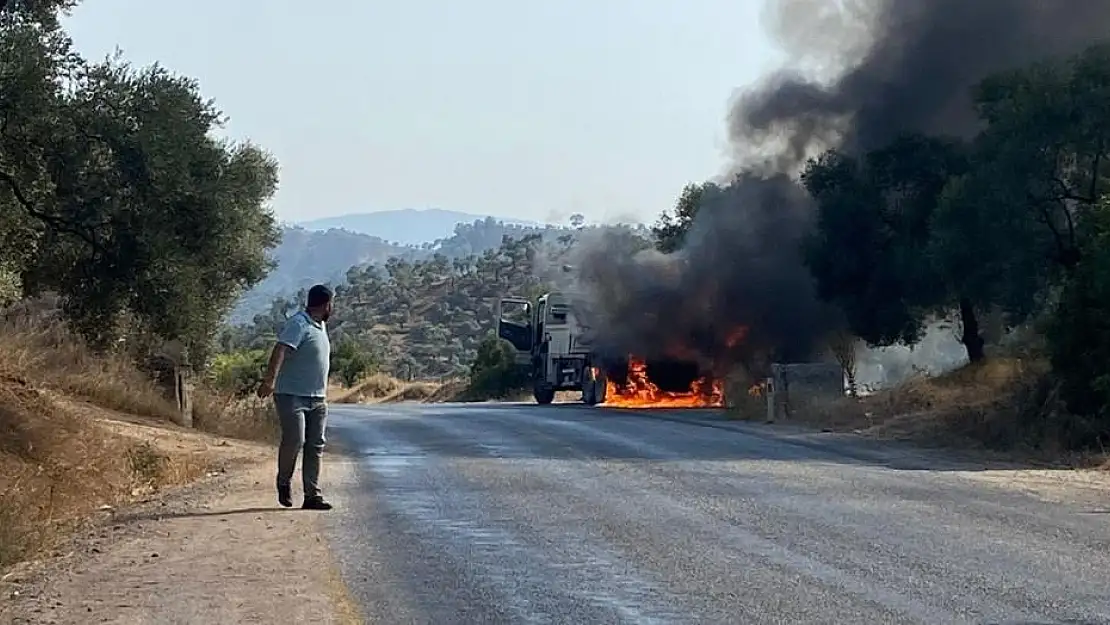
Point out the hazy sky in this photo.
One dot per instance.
(526, 109)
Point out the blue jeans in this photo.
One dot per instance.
(303, 421)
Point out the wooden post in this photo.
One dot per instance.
(173, 380)
(184, 398)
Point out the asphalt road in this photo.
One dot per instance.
(566, 514)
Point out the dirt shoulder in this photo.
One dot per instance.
(217, 551)
(1085, 484)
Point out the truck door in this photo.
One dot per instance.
(514, 324)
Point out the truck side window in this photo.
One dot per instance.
(518, 314)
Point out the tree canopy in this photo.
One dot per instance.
(870, 251)
(116, 192)
(672, 226)
(1011, 220)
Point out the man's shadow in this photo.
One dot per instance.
(155, 516)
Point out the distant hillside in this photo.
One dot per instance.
(407, 226)
(425, 318)
(306, 257)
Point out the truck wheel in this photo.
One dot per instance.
(589, 393)
(593, 392)
(543, 396)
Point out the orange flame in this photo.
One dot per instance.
(757, 390)
(737, 335)
(641, 392)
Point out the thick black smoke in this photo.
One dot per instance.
(911, 72)
(737, 289)
(916, 73)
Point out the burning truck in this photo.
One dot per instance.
(552, 338)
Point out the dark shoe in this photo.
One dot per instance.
(285, 496)
(316, 503)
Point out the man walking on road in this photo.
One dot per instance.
(297, 377)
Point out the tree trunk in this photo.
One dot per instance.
(853, 387)
(971, 338)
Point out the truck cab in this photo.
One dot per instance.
(549, 338)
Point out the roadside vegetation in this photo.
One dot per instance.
(1011, 223)
(1011, 226)
(60, 459)
(127, 231)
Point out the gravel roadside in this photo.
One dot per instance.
(218, 551)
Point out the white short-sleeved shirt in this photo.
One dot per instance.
(305, 370)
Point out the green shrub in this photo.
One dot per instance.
(239, 372)
(494, 372)
(1079, 330)
(11, 287)
(351, 361)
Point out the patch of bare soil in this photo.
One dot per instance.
(174, 440)
(218, 551)
(1084, 487)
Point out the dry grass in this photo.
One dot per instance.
(225, 415)
(450, 391)
(413, 391)
(458, 390)
(57, 466)
(372, 389)
(925, 406)
(740, 401)
(59, 463)
(999, 404)
(50, 357)
(382, 388)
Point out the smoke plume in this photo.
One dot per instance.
(897, 66)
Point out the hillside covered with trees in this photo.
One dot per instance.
(425, 317)
(406, 226)
(305, 257)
